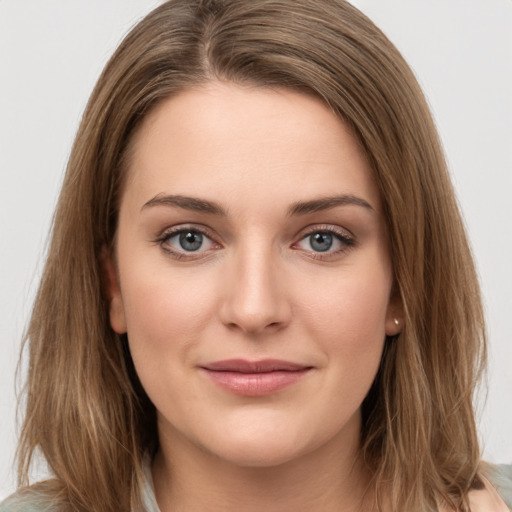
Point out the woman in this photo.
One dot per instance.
(259, 292)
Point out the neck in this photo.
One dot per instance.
(331, 478)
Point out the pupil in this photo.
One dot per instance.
(321, 242)
(191, 241)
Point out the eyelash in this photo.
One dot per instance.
(347, 241)
(163, 241)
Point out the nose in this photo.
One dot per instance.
(254, 299)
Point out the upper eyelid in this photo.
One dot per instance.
(180, 228)
(327, 228)
(215, 237)
(345, 238)
(163, 240)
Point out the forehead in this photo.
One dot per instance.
(225, 139)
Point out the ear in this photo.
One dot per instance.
(394, 315)
(113, 292)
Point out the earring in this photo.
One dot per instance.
(397, 322)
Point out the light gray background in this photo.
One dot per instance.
(52, 51)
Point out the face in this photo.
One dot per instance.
(253, 273)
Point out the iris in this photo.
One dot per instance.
(321, 242)
(191, 241)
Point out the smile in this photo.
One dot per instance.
(256, 378)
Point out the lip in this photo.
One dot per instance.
(254, 378)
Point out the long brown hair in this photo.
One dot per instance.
(85, 409)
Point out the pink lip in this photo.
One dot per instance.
(254, 378)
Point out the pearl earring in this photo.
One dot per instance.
(397, 322)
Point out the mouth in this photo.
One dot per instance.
(255, 378)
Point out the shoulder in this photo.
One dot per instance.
(22, 502)
(500, 477)
(496, 494)
(30, 499)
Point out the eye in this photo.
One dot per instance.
(325, 242)
(321, 242)
(182, 242)
(188, 241)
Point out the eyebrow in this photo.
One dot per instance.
(187, 203)
(326, 203)
(296, 209)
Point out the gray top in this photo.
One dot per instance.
(500, 477)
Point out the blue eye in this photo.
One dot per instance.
(190, 241)
(327, 241)
(321, 242)
(186, 240)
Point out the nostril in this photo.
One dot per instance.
(254, 306)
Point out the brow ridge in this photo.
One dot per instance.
(185, 202)
(326, 203)
(296, 209)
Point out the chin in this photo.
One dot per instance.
(260, 455)
(261, 445)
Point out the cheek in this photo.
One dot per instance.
(165, 312)
(165, 322)
(352, 307)
(348, 323)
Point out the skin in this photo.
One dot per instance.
(257, 288)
